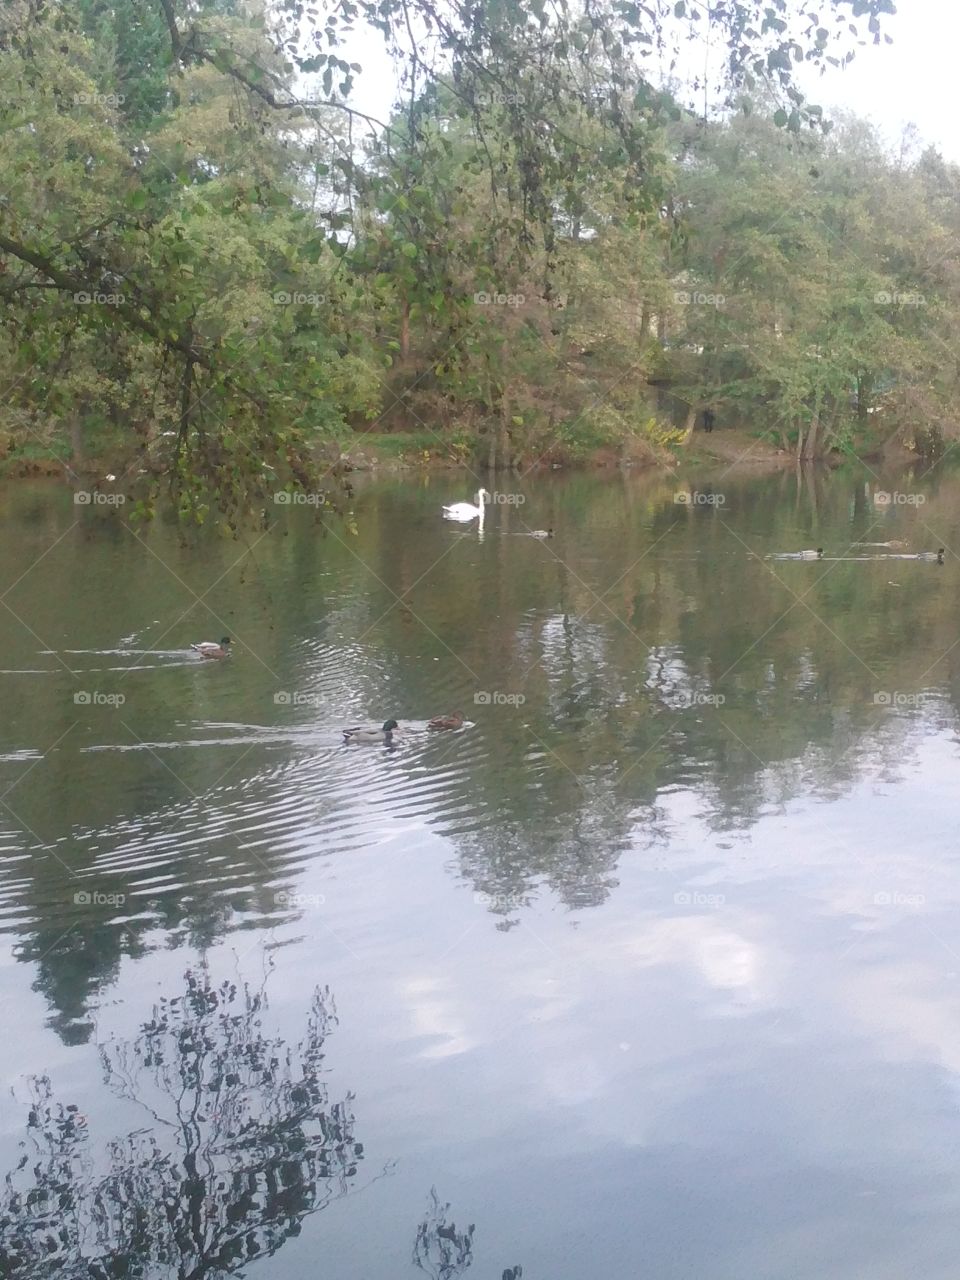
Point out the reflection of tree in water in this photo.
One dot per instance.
(574, 854)
(71, 964)
(242, 1145)
(441, 1251)
(701, 680)
(574, 851)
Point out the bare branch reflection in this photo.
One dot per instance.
(440, 1250)
(241, 1145)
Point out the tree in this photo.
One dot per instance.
(180, 160)
(811, 277)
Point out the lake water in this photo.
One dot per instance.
(651, 970)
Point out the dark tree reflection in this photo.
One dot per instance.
(441, 1251)
(241, 1145)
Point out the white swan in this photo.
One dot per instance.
(465, 511)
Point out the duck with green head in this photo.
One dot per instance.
(370, 734)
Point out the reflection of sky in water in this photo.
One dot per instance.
(814, 987)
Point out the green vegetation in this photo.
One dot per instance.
(213, 264)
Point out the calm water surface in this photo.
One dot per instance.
(651, 970)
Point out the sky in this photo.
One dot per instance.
(915, 80)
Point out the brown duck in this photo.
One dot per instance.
(453, 721)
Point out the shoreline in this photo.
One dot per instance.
(733, 451)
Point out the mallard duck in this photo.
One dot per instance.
(466, 511)
(798, 555)
(210, 649)
(541, 533)
(362, 734)
(453, 721)
(933, 555)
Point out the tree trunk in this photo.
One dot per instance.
(486, 424)
(644, 324)
(492, 450)
(405, 329)
(810, 448)
(76, 435)
(688, 426)
(504, 459)
(185, 407)
(185, 399)
(829, 432)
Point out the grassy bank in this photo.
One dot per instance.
(31, 451)
(26, 451)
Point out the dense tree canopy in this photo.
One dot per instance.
(213, 262)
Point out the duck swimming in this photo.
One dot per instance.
(210, 649)
(931, 555)
(452, 721)
(541, 533)
(798, 555)
(370, 734)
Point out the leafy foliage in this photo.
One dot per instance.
(214, 260)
